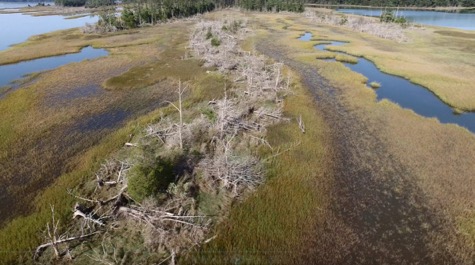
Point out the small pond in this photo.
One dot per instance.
(12, 72)
(405, 93)
(465, 21)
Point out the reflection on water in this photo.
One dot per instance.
(406, 94)
(11, 72)
(464, 21)
(17, 28)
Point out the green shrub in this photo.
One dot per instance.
(215, 42)
(149, 180)
(129, 19)
(389, 17)
(343, 20)
(210, 114)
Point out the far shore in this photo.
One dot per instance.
(437, 8)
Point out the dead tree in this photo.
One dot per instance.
(179, 108)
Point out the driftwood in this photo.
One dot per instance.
(40, 249)
(301, 124)
(54, 239)
(107, 170)
(79, 212)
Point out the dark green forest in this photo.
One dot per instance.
(178, 8)
(139, 12)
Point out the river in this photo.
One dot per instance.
(465, 21)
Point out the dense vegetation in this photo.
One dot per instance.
(139, 12)
(87, 3)
(421, 3)
(155, 10)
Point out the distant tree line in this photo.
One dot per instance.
(395, 3)
(139, 12)
(155, 10)
(87, 3)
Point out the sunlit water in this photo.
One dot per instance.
(403, 92)
(464, 21)
(17, 28)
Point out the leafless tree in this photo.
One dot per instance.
(179, 108)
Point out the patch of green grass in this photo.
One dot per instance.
(210, 86)
(13, 110)
(143, 76)
(215, 42)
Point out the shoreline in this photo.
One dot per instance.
(439, 8)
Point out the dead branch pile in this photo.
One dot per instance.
(246, 113)
(98, 28)
(391, 31)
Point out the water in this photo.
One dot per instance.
(14, 5)
(12, 72)
(307, 36)
(465, 21)
(16, 28)
(406, 94)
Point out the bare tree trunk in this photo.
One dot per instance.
(180, 111)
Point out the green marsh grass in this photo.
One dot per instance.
(346, 58)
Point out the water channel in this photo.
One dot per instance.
(403, 92)
(12, 72)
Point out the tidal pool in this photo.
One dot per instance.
(12, 72)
